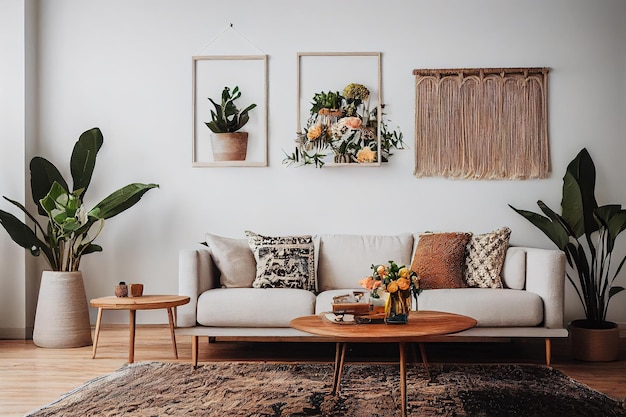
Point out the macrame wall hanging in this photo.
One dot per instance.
(488, 123)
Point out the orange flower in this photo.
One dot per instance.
(381, 270)
(353, 122)
(392, 287)
(377, 284)
(366, 155)
(314, 132)
(403, 284)
(367, 283)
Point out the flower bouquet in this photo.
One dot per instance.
(400, 283)
(341, 125)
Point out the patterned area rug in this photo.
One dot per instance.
(258, 389)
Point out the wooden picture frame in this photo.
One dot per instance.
(332, 71)
(210, 74)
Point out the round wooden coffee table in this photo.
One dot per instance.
(132, 304)
(421, 326)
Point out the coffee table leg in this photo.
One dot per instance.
(403, 377)
(173, 335)
(340, 354)
(97, 335)
(131, 342)
(425, 360)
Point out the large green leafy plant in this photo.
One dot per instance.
(587, 234)
(71, 229)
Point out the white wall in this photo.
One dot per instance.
(125, 66)
(14, 17)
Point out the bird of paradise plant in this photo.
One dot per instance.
(71, 229)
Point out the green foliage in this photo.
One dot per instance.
(587, 234)
(227, 118)
(330, 100)
(68, 234)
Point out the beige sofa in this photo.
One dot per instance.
(529, 305)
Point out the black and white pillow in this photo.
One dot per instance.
(283, 261)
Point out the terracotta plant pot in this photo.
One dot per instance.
(594, 344)
(136, 290)
(229, 146)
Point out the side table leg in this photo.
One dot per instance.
(95, 338)
(403, 378)
(172, 334)
(131, 342)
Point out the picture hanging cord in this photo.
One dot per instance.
(230, 27)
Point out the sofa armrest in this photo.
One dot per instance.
(196, 273)
(545, 276)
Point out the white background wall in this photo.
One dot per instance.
(125, 66)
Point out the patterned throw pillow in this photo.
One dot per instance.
(283, 262)
(438, 260)
(484, 258)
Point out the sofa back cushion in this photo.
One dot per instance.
(514, 269)
(343, 260)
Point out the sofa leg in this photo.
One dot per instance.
(212, 339)
(548, 351)
(194, 351)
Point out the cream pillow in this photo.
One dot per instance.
(233, 259)
(484, 257)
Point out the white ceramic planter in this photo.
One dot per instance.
(62, 317)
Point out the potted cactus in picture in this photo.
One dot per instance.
(227, 142)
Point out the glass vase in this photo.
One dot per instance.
(398, 307)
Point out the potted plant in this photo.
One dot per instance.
(587, 234)
(62, 317)
(227, 143)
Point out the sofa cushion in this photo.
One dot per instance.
(233, 259)
(484, 257)
(488, 306)
(253, 307)
(439, 259)
(344, 260)
(283, 261)
(514, 269)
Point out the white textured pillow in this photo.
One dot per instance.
(234, 259)
(283, 261)
(484, 257)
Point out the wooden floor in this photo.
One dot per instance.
(31, 377)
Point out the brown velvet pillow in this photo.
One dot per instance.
(439, 260)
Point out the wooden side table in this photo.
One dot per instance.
(132, 304)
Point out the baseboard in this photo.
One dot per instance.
(16, 334)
